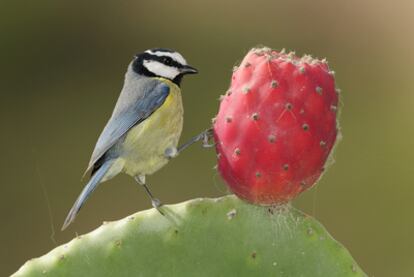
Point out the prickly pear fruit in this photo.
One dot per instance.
(276, 125)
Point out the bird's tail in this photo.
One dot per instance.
(86, 192)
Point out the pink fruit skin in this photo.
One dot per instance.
(276, 126)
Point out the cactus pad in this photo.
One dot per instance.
(202, 237)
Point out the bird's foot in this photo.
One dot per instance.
(206, 137)
(157, 204)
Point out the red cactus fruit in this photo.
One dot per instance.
(276, 125)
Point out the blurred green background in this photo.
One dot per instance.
(62, 67)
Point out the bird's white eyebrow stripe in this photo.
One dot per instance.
(175, 56)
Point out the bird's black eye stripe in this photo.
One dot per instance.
(167, 61)
(162, 59)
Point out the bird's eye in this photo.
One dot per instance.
(167, 61)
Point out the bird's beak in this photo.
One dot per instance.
(188, 70)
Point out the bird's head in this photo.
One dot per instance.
(162, 62)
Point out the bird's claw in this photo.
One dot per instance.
(206, 137)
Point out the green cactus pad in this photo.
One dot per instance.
(202, 237)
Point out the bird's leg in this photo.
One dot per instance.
(205, 137)
(156, 203)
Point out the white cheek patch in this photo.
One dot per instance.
(175, 56)
(161, 69)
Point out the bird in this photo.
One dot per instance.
(143, 131)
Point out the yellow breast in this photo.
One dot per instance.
(145, 144)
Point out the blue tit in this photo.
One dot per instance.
(145, 126)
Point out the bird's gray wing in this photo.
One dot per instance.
(124, 118)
